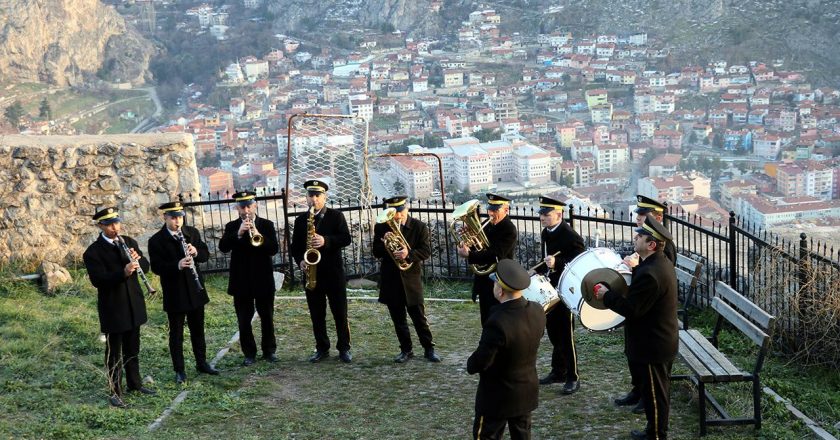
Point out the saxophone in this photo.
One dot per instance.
(312, 256)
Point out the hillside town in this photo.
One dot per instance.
(596, 118)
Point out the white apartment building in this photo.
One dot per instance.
(254, 68)
(767, 146)
(610, 157)
(676, 188)
(501, 157)
(532, 165)
(362, 108)
(765, 213)
(811, 179)
(473, 168)
(416, 175)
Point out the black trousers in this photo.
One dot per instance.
(317, 301)
(245, 307)
(397, 309)
(491, 428)
(560, 326)
(484, 286)
(122, 350)
(655, 386)
(195, 322)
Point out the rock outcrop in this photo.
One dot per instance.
(65, 41)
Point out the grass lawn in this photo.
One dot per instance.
(52, 383)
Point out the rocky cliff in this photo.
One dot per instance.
(64, 41)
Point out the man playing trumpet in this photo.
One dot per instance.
(327, 235)
(402, 290)
(251, 281)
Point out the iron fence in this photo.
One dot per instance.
(781, 276)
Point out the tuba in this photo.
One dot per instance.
(312, 256)
(471, 233)
(396, 240)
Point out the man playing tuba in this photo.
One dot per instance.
(501, 236)
(406, 239)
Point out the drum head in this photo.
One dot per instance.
(605, 275)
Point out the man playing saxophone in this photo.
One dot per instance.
(251, 281)
(401, 242)
(328, 234)
(501, 236)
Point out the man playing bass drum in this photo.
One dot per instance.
(558, 236)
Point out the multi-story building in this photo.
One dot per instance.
(811, 179)
(675, 189)
(665, 165)
(767, 146)
(764, 213)
(417, 176)
(532, 165)
(501, 157)
(362, 108)
(214, 180)
(610, 157)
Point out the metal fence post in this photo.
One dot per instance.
(287, 237)
(804, 294)
(733, 254)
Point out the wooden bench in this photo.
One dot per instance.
(709, 366)
(688, 277)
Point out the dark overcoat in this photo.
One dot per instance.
(506, 359)
(502, 239)
(650, 309)
(180, 293)
(330, 224)
(120, 301)
(393, 281)
(564, 239)
(251, 267)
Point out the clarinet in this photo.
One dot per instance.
(192, 263)
(140, 272)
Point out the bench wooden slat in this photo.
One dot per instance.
(745, 306)
(733, 373)
(696, 366)
(684, 278)
(697, 350)
(741, 323)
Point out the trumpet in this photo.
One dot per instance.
(254, 235)
(140, 272)
(396, 241)
(472, 232)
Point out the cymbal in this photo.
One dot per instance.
(609, 277)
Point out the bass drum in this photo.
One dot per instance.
(542, 292)
(569, 287)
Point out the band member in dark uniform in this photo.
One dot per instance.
(402, 290)
(650, 327)
(328, 235)
(645, 207)
(506, 358)
(251, 281)
(120, 302)
(558, 236)
(501, 235)
(184, 296)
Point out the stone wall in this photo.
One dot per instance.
(50, 186)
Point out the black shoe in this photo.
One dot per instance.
(319, 356)
(551, 378)
(630, 398)
(638, 435)
(143, 390)
(570, 387)
(248, 361)
(271, 358)
(180, 377)
(431, 355)
(639, 408)
(403, 357)
(116, 401)
(345, 356)
(206, 369)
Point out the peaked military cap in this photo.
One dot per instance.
(107, 216)
(496, 201)
(172, 209)
(511, 276)
(315, 185)
(548, 204)
(654, 229)
(245, 198)
(398, 202)
(645, 205)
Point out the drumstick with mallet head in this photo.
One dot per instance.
(543, 262)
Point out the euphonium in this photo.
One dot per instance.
(254, 233)
(312, 256)
(471, 234)
(396, 240)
